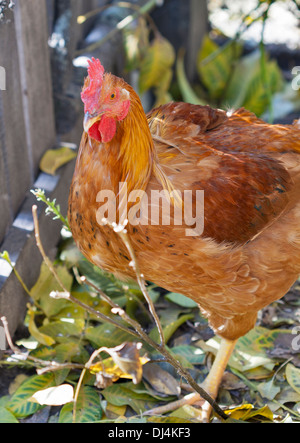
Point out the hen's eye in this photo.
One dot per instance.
(112, 96)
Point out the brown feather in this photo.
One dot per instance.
(249, 252)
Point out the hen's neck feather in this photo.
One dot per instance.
(135, 146)
(130, 157)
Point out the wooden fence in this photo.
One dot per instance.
(27, 122)
(29, 104)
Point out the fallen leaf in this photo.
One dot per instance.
(293, 377)
(187, 412)
(247, 411)
(54, 396)
(55, 158)
(231, 382)
(160, 380)
(268, 389)
(112, 412)
(125, 362)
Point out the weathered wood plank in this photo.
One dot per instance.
(32, 37)
(16, 175)
(21, 246)
(50, 5)
(5, 211)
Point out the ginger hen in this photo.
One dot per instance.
(235, 255)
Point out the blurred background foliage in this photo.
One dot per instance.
(234, 66)
(245, 59)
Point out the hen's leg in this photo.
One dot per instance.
(211, 383)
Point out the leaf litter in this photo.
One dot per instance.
(261, 384)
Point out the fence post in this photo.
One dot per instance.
(31, 29)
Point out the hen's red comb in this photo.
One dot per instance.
(89, 95)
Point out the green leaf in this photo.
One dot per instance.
(268, 389)
(43, 353)
(120, 395)
(6, 416)
(88, 408)
(55, 158)
(159, 58)
(245, 70)
(257, 99)
(293, 377)
(47, 283)
(75, 313)
(192, 354)
(161, 91)
(170, 328)
(187, 92)
(63, 331)
(246, 87)
(71, 351)
(19, 404)
(215, 65)
(103, 280)
(181, 300)
(107, 335)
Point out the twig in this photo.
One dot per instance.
(48, 365)
(139, 333)
(41, 249)
(8, 336)
(145, 338)
(120, 229)
(68, 296)
(65, 294)
(116, 309)
(122, 232)
(54, 366)
(52, 207)
(77, 394)
(5, 256)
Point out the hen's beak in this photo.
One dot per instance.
(89, 120)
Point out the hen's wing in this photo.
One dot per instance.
(248, 169)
